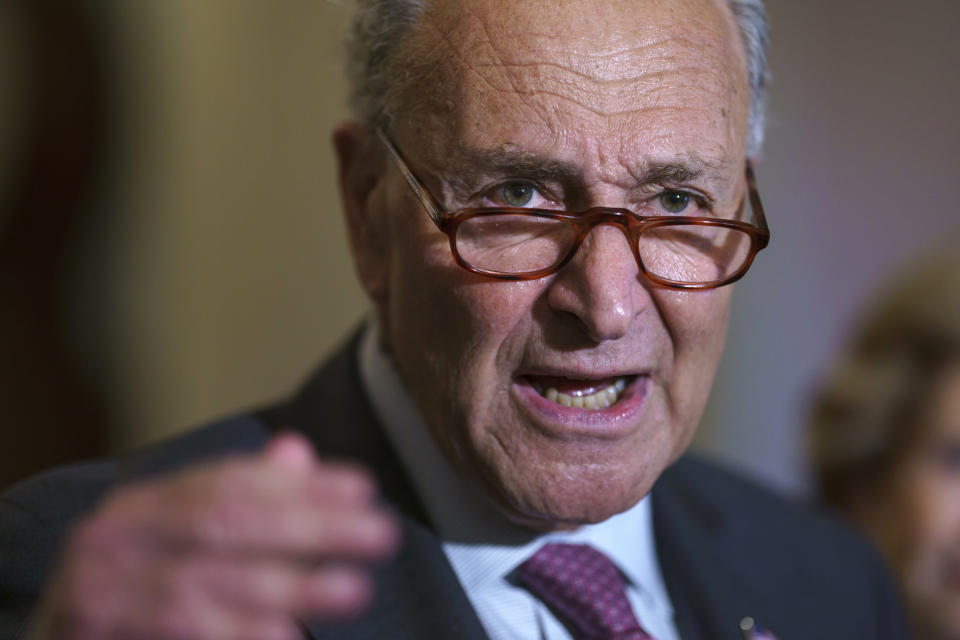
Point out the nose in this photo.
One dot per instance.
(601, 286)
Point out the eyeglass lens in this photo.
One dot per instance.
(518, 244)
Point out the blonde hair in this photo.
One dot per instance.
(862, 417)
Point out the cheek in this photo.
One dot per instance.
(497, 310)
(454, 334)
(427, 286)
(454, 314)
(695, 317)
(935, 499)
(696, 322)
(921, 524)
(458, 338)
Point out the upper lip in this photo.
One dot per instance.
(576, 373)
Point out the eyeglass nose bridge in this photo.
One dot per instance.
(627, 221)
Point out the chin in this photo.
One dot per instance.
(568, 498)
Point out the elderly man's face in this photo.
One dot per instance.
(564, 104)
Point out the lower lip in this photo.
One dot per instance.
(614, 421)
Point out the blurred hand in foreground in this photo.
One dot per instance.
(235, 549)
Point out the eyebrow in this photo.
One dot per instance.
(515, 162)
(530, 165)
(676, 172)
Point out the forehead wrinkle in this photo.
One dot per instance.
(614, 66)
(607, 53)
(610, 34)
(619, 97)
(597, 65)
(506, 59)
(669, 77)
(667, 87)
(586, 75)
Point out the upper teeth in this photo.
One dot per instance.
(602, 399)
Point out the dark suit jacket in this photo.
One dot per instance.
(727, 549)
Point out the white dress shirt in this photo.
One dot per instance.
(484, 547)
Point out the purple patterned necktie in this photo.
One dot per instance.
(584, 589)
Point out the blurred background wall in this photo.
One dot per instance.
(171, 247)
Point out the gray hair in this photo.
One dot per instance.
(379, 27)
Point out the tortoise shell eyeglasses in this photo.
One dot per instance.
(518, 243)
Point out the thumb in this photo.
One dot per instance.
(290, 450)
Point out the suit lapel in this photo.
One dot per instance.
(711, 592)
(418, 594)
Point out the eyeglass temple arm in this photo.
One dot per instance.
(757, 205)
(426, 198)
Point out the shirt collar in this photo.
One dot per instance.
(482, 544)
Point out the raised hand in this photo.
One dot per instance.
(235, 549)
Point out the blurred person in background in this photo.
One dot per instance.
(885, 437)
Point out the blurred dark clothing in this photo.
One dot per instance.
(727, 548)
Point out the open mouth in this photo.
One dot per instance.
(595, 395)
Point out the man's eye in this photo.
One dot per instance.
(675, 201)
(517, 194)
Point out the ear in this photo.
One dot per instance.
(360, 171)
